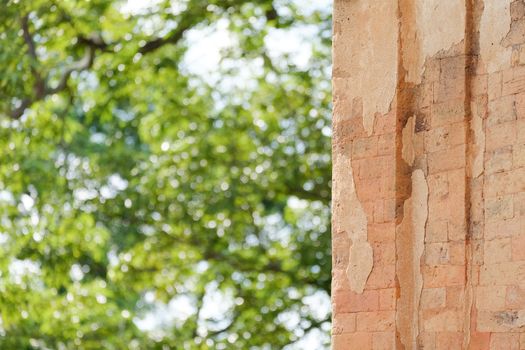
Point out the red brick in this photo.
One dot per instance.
(452, 158)
(386, 144)
(364, 147)
(449, 340)
(491, 298)
(360, 340)
(369, 189)
(383, 341)
(384, 253)
(503, 228)
(448, 112)
(479, 85)
(497, 251)
(376, 321)
(389, 209)
(452, 253)
(451, 84)
(515, 297)
(387, 299)
(440, 276)
(506, 273)
(499, 160)
(520, 131)
(446, 320)
(444, 137)
(347, 301)
(479, 341)
(520, 106)
(518, 156)
(500, 135)
(427, 340)
(499, 184)
(374, 167)
(455, 296)
(495, 82)
(343, 323)
(385, 124)
(507, 341)
(382, 276)
(378, 211)
(518, 247)
(436, 231)
(514, 85)
(384, 232)
(501, 110)
(432, 298)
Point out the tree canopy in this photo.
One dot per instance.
(145, 204)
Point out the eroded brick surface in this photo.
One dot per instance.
(437, 179)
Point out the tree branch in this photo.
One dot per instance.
(41, 90)
(271, 13)
(93, 41)
(172, 38)
(82, 64)
(28, 38)
(39, 86)
(200, 303)
(17, 112)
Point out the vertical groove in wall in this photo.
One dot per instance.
(405, 104)
(469, 67)
(473, 11)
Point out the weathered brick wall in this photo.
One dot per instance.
(429, 174)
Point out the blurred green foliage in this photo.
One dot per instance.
(133, 189)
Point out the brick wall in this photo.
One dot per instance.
(429, 174)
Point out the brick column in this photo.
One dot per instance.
(429, 174)
(364, 177)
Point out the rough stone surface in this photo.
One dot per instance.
(429, 174)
